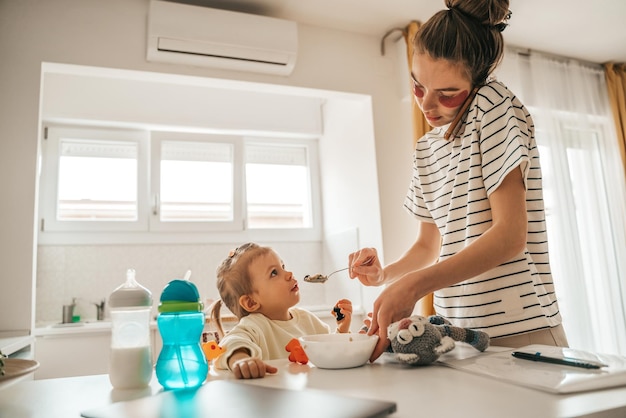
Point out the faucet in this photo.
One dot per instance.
(100, 310)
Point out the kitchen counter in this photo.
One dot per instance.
(86, 327)
(73, 328)
(86, 346)
(14, 345)
(429, 391)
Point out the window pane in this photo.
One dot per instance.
(594, 228)
(196, 182)
(277, 187)
(97, 181)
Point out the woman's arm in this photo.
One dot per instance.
(423, 253)
(365, 264)
(501, 242)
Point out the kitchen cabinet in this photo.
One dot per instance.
(65, 355)
(78, 350)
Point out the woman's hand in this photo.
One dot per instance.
(345, 309)
(407, 280)
(365, 266)
(245, 367)
(395, 302)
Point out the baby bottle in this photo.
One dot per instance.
(181, 363)
(130, 365)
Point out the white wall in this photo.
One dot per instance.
(112, 33)
(70, 267)
(148, 99)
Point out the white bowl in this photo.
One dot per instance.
(338, 351)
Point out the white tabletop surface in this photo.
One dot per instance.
(433, 390)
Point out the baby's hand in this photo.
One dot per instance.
(367, 323)
(251, 368)
(343, 313)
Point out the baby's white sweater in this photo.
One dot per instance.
(266, 338)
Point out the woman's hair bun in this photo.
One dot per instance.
(492, 13)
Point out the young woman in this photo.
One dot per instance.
(255, 286)
(476, 191)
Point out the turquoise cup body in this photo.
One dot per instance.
(181, 363)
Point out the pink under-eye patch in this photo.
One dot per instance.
(417, 91)
(453, 101)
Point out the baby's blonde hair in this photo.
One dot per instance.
(233, 281)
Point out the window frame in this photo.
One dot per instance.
(569, 257)
(149, 228)
(53, 136)
(314, 233)
(156, 225)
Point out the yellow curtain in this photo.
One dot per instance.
(616, 83)
(420, 127)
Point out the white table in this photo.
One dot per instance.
(425, 391)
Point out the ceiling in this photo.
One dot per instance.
(589, 30)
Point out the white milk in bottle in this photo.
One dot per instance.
(130, 364)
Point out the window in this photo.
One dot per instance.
(277, 193)
(581, 226)
(97, 181)
(583, 188)
(92, 180)
(105, 180)
(196, 182)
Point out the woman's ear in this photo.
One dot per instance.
(248, 303)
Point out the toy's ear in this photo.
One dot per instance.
(438, 320)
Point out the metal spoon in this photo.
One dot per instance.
(320, 278)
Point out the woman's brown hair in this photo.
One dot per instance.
(468, 32)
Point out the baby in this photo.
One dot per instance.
(255, 286)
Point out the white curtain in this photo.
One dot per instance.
(584, 191)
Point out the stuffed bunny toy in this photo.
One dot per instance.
(419, 341)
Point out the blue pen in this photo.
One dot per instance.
(567, 361)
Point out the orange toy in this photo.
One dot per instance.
(296, 352)
(212, 350)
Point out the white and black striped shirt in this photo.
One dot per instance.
(450, 187)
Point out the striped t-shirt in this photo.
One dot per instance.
(450, 187)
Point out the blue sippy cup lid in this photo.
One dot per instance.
(180, 295)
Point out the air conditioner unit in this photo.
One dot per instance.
(200, 36)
